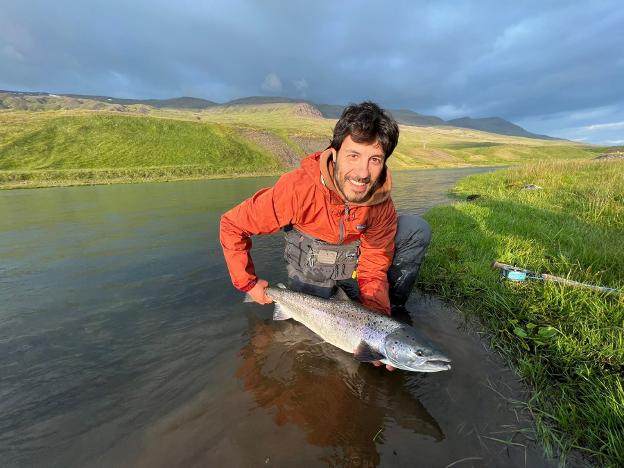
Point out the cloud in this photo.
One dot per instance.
(272, 83)
(11, 53)
(301, 87)
(555, 66)
(610, 125)
(449, 111)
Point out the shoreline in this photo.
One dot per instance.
(15, 180)
(566, 343)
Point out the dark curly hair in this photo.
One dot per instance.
(366, 122)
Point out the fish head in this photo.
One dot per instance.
(406, 349)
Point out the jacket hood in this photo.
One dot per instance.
(320, 167)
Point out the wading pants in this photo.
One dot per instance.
(411, 241)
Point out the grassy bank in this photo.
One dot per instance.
(144, 143)
(50, 149)
(73, 177)
(97, 141)
(568, 343)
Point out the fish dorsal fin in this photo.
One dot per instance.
(340, 295)
(280, 313)
(364, 353)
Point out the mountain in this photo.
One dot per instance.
(183, 102)
(496, 125)
(330, 111)
(251, 100)
(47, 101)
(404, 116)
(409, 117)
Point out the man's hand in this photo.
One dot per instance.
(258, 294)
(388, 366)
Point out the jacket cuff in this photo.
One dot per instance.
(249, 285)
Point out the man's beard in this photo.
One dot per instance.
(340, 184)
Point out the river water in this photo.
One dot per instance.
(123, 343)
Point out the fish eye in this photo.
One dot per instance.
(419, 353)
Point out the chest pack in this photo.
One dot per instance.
(317, 261)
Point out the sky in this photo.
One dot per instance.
(553, 67)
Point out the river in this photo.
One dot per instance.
(123, 343)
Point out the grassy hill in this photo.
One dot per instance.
(104, 141)
(123, 143)
(35, 101)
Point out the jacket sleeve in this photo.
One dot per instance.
(266, 212)
(376, 253)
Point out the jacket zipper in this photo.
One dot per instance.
(342, 223)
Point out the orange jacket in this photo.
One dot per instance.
(307, 199)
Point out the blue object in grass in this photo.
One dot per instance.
(516, 275)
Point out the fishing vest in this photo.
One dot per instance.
(317, 262)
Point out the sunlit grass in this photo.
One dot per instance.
(119, 141)
(215, 138)
(567, 342)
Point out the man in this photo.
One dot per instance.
(338, 218)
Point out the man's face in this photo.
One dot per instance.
(357, 169)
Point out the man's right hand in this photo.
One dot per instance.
(258, 294)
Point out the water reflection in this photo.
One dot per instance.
(122, 343)
(337, 402)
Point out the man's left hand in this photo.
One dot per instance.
(388, 366)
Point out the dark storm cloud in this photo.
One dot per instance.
(555, 67)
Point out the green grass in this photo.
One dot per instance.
(568, 343)
(74, 148)
(151, 142)
(71, 177)
(117, 141)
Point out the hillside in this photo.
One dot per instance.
(183, 102)
(139, 142)
(495, 125)
(46, 101)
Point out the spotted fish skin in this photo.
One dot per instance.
(353, 328)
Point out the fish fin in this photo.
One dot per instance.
(364, 353)
(280, 313)
(340, 295)
(248, 298)
(281, 286)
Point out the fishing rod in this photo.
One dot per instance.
(514, 273)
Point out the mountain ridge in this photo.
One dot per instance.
(496, 125)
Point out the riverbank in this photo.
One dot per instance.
(76, 177)
(73, 177)
(562, 218)
(80, 147)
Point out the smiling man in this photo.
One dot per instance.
(338, 217)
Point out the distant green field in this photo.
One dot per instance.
(78, 146)
(99, 141)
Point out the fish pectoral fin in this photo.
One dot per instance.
(280, 313)
(364, 353)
